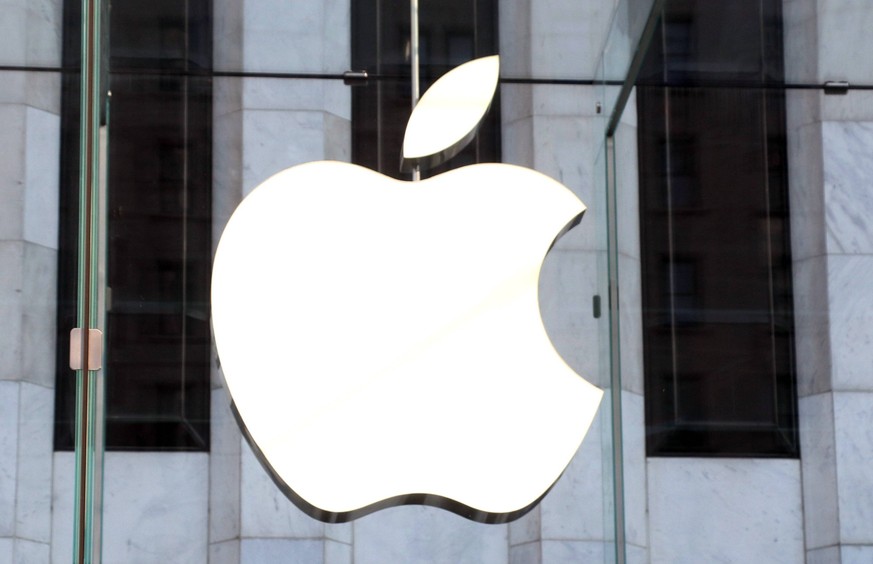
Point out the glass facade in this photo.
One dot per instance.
(180, 114)
(716, 288)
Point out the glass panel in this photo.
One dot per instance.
(627, 39)
(712, 82)
(609, 359)
(626, 42)
(90, 307)
(716, 271)
(208, 100)
(703, 272)
(212, 97)
(158, 226)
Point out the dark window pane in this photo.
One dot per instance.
(158, 230)
(714, 232)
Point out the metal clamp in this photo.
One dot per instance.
(836, 87)
(95, 349)
(355, 78)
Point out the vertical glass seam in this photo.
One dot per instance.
(85, 550)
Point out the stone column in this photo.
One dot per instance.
(29, 112)
(830, 140)
(555, 130)
(261, 126)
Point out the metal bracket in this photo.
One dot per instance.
(355, 78)
(95, 349)
(839, 87)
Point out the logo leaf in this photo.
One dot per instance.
(446, 118)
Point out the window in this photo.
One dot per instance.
(716, 267)
(158, 225)
(450, 33)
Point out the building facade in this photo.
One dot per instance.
(733, 430)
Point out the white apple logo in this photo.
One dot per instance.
(381, 340)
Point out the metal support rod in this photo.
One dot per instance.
(413, 58)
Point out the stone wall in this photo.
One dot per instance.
(29, 112)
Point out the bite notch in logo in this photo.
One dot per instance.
(381, 340)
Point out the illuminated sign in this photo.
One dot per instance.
(381, 340)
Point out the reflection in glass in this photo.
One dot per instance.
(159, 227)
(714, 231)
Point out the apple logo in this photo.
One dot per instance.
(381, 340)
